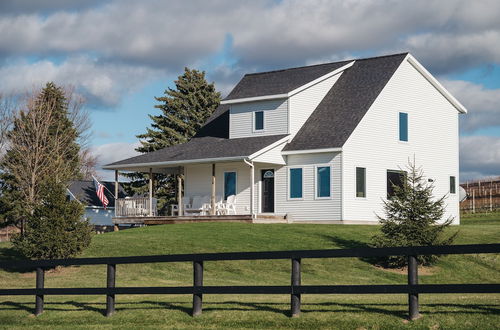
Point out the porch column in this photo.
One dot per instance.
(115, 227)
(252, 183)
(212, 199)
(150, 192)
(179, 195)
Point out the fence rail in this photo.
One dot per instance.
(295, 289)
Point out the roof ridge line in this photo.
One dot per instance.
(327, 63)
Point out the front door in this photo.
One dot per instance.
(267, 193)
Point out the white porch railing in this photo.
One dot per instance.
(135, 207)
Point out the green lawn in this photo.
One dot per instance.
(243, 311)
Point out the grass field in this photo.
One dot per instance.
(457, 311)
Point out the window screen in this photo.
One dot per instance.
(323, 181)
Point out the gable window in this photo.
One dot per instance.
(295, 182)
(323, 181)
(229, 184)
(360, 182)
(394, 179)
(453, 189)
(258, 120)
(403, 126)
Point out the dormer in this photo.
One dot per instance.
(279, 102)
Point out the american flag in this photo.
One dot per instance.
(99, 189)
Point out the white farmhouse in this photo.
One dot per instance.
(319, 143)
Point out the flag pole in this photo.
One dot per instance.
(93, 177)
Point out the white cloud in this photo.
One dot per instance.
(479, 157)
(170, 34)
(110, 153)
(483, 104)
(102, 84)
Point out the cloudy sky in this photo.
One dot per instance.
(120, 54)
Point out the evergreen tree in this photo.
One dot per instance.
(184, 110)
(42, 147)
(413, 217)
(55, 229)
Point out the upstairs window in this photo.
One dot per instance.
(295, 182)
(360, 182)
(453, 189)
(258, 120)
(229, 184)
(403, 126)
(323, 182)
(394, 179)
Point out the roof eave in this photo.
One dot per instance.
(423, 71)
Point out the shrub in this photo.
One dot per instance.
(56, 229)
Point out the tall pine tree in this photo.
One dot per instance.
(184, 110)
(413, 217)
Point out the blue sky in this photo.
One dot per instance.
(119, 65)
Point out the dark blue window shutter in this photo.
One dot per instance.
(403, 126)
(229, 184)
(295, 183)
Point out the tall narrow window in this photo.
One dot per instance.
(258, 120)
(323, 182)
(229, 184)
(453, 188)
(403, 126)
(394, 179)
(360, 182)
(295, 182)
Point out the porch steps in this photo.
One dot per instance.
(271, 218)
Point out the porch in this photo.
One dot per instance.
(162, 220)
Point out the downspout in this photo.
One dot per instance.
(252, 183)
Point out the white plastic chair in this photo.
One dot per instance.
(229, 207)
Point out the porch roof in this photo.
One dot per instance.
(198, 150)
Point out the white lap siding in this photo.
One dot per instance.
(309, 208)
(275, 118)
(198, 182)
(375, 145)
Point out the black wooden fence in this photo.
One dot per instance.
(295, 289)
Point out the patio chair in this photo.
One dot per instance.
(198, 205)
(229, 206)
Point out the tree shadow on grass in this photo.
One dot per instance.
(9, 254)
(344, 243)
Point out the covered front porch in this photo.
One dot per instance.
(233, 182)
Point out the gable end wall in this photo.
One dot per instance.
(375, 145)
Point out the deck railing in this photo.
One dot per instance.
(295, 289)
(135, 207)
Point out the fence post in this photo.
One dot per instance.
(413, 280)
(197, 284)
(40, 279)
(295, 298)
(110, 298)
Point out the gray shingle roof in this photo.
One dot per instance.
(329, 126)
(85, 192)
(204, 147)
(338, 114)
(280, 81)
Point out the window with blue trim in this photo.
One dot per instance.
(258, 120)
(323, 181)
(229, 184)
(295, 183)
(403, 126)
